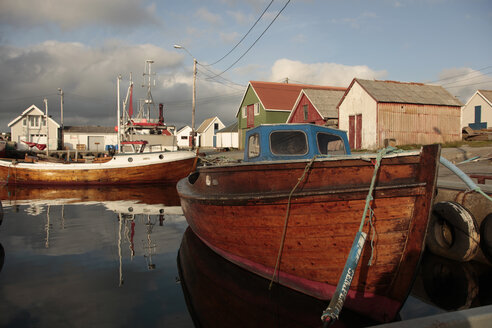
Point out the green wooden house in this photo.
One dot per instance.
(267, 103)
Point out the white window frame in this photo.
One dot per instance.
(244, 111)
(257, 109)
(34, 121)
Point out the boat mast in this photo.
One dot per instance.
(118, 115)
(148, 103)
(47, 128)
(128, 112)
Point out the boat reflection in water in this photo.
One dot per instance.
(218, 293)
(136, 207)
(147, 194)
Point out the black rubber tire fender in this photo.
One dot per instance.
(453, 232)
(486, 237)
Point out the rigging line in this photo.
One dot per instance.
(462, 74)
(244, 54)
(263, 13)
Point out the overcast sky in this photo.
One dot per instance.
(82, 45)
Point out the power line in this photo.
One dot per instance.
(471, 78)
(278, 14)
(467, 85)
(209, 77)
(229, 95)
(459, 75)
(227, 54)
(28, 97)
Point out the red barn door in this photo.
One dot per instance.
(358, 132)
(352, 131)
(251, 116)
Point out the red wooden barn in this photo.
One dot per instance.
(317, 106)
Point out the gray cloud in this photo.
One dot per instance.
(86, 74)
(70, 14)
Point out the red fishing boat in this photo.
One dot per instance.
(298, 204)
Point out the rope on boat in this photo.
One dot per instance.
(286, 221)
(330, 315)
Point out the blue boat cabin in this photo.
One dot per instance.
(276, 142)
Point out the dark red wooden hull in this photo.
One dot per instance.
(240, 211)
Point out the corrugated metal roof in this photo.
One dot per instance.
(487, 94)
(410, 93)
(231, 128)
(282, 96)
(89, 129)
(325, 101)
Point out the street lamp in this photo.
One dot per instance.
(194, 95)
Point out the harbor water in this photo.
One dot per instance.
(125, 257)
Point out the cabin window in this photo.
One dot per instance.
(329, 144)
(305, 108)
(243, 112)
(184, 137)
(254, 145)
(24, 122)
(288, 143)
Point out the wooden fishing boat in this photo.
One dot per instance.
(291, 210)
(122, 168)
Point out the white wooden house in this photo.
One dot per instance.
(183, 137)
(206, 132)
(31, 127)
(228, 137)
(377, 113)
(477, 112)
(90, 138)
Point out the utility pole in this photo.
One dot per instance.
(61, 143)
(47, 128)
(194, 96)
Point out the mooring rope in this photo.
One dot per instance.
(464, 177)
(335, 306)
(286, 221)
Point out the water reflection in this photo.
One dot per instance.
(106, 256)
(95, 256)
(220, 294)
(452, 285)
(144, 197)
